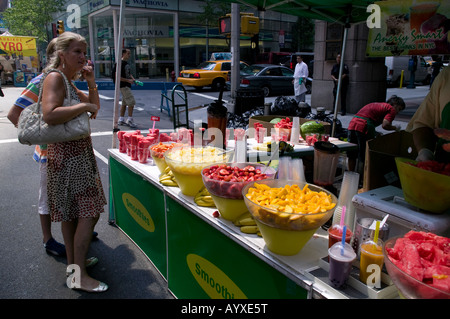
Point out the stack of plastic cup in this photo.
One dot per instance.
(283, 168)
(296, 170)
(349, 188)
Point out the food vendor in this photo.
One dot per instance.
(433, 113)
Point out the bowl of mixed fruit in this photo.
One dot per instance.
(288, 212)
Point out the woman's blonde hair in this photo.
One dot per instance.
(61, 44)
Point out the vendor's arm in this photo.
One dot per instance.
(387, 125)
(424, 140)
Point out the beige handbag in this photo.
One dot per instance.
(33, 130)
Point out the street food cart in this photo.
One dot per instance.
(202, 256)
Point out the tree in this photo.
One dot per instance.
(31, 17)
(303, 34)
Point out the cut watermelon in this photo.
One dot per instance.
(425, 257)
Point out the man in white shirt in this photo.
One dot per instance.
(300, 74)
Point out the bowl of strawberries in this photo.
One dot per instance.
(225, 182)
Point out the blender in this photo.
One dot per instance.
(326, 157)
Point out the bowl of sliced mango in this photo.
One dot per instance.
(288, 212)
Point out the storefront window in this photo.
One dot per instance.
(148, 36)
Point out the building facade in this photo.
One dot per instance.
(166, 35)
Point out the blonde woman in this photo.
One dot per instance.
(75, 192)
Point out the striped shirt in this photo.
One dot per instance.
(29, 96)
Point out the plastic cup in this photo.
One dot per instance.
(340, 263)
(260, 134)
(371, 262)
(335, 235)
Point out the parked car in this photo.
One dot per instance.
(395, 65)
(272, 79)
(210, 73)
(272, 57)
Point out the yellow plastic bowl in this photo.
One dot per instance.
(423, 189)
(286, 233)
(187, 162)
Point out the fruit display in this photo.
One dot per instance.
(311, 127)
(187, 162)
(203, 198)
(225, 182)
(288, 213)
(311, 138)
(275, 120)
(267, 146)
(167, 178)
(157, 153)
(284, 123)
(423, 188)
(418, 264)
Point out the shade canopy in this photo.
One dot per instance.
(339, 11)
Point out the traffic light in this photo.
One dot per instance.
(225, 25)
(249, 24)
(60, 27)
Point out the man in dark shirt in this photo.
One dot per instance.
(344, 83)
(126, 79)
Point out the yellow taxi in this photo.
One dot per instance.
(210, 73)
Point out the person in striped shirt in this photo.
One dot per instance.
(29, 96)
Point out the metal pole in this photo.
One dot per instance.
(341, 67)
(235, 34)
(118, 53)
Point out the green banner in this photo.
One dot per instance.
(409, 27)
(139, 210)
(204, 263)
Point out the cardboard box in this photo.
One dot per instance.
(379, 168)
(265, 121)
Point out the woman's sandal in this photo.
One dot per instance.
(102, 287)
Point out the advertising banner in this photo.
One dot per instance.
(204, 263)
(140, 212)
(25, 46)
(410, 27)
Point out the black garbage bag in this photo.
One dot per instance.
(284, 106)
(241, 121)
(303, 110)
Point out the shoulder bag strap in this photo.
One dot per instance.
(41, 85)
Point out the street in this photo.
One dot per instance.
(26, 271)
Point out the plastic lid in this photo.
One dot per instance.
(326, 147)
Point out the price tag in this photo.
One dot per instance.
(155, 118)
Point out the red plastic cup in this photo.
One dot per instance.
(335, 235)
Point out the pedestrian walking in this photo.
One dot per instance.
(300, 75)
(126, 80)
